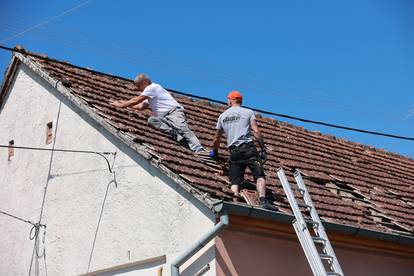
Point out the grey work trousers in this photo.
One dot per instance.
(175, 124)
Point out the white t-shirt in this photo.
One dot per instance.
(160, 101)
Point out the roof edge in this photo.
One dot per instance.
(258, 213)
(141, 149)
(8, 76)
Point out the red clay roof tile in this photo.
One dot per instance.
(366, 174)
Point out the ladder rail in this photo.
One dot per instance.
(315, 216)
(309, 249)
(301, 229)
(291, 198)
(300, 225)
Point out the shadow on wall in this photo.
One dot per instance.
(35, 253)
(100, 217)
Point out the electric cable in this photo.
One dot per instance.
(24, 220)
(46, 21)
(102, 154)
(219, 102)
(326, 100)
(301, 119)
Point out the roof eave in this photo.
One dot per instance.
(258, 213)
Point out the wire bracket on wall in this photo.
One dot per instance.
(103, 154)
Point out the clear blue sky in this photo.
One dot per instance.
(343, 62)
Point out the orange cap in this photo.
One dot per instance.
(234, 95)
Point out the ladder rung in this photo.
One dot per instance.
(310, 230)
(312, 222)
(318, 240)
(326, 256)
(304, 205)
(302, 191)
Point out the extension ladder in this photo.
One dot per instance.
(317, 248)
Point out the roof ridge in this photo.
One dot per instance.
(331, 137)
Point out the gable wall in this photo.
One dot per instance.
(94, 219)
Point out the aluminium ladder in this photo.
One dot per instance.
(318, 250)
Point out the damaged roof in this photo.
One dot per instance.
(350, 183)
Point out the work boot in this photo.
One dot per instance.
(264, 204)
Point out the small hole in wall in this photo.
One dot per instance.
(10, 150)
(49, 133)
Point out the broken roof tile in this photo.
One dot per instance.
(377, 186)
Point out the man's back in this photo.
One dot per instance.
(235, 122)
(161, 102)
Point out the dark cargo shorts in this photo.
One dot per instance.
(243, 156)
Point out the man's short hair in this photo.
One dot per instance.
(141, 77)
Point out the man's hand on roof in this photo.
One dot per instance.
(118, 103)
(214, 154)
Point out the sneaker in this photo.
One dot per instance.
(202, 153)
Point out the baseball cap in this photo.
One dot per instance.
(233, 95)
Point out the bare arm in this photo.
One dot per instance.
(216, 141)
(256, 133)
(131, 102)
(141, 106)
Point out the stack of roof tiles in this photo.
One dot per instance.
(350, 183)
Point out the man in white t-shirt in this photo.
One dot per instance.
(168, 115)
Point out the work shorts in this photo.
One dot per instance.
(242, 156)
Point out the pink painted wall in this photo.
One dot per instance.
(243, 253)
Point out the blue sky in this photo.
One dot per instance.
(343, 62)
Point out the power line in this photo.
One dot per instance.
(102, 154)
(219, 102)
(46, 21)
(326, 101)
(24, 220)
(302, 119)
(34, 235)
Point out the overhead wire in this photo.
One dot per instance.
(410, 112)
(221, 102)
(102, 154)
(324, 101)
(307, 120)
(24, 220)
(46, 21)
(33, 235)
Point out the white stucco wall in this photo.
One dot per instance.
(91, 222)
